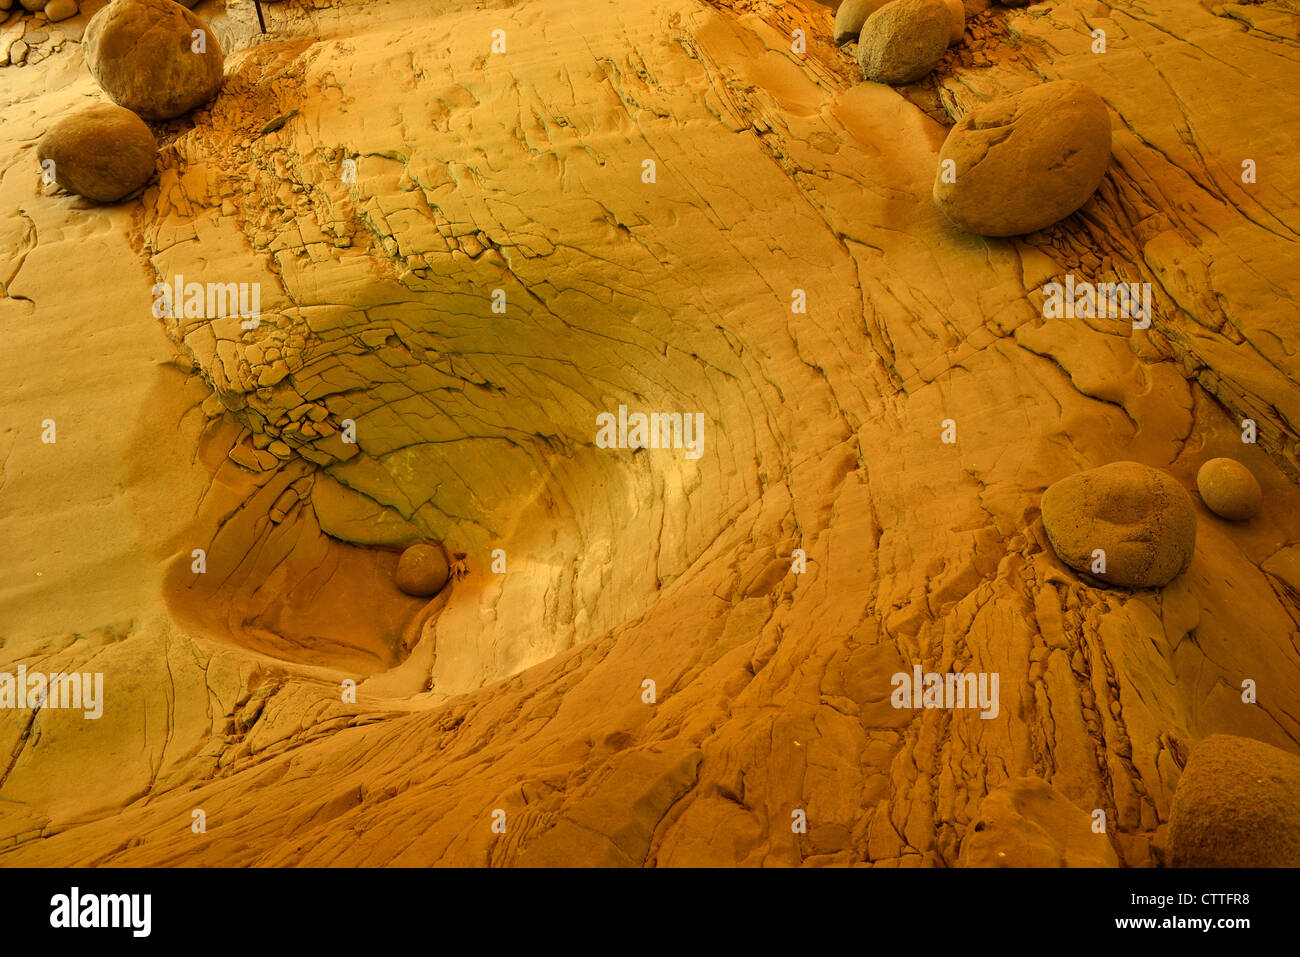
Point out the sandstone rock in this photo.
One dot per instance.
(61, 9)
(102, 152)
(958, 21)
(1237, 804)
(422, 570)
(1141, 518)
(1028, 823)
(851, 15)
(1025, 161)
(904, 40)
(1229, 490)
(141, 53)
(33, 5)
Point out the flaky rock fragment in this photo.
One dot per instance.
(904, 40)
(1028, 823)
(1229, 490)
(145, 55)
(1237, 805)
(1025, 161)
(101, 152)
(422, 570)
(1123, 523)
(851, 15)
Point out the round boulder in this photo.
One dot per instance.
(851, 15)
(101, 152)
(1237, 804)
(1141, 520)
(904, 40)
(422, 570)
(958, 21)
(145, 55)
(1025, 161)
(58, 10)
(1229, 490)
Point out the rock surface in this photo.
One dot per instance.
(1141, 518)
(904, 40)
(144, 55)
(1236, 805)
(1025, 161)
(1229, 490)
(102, 152)
(523, 689)
(1027, 823)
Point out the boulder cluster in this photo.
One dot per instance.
(54, 10)
(156, 60)
(1134, 526)
(1012, 166)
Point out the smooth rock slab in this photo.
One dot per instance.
(1028, 823)
(904, 40)
(1229, 490)
(102, 152)
(141, 52)
(1024, 161)
(1140, 517)
(422, 570)
(1237, 805)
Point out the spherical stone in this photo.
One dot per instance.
(422, 570)
(142, 54)
(33, 5)
(1142, 519)
(58, 10)
(1229, 490)
(904, 40)
(958, 21)
(1237, 804)
(851, 15)
(101, 152)
(1024, 161)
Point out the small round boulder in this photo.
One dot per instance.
(904, 40)
(1124, 524)
(102, 152)
(1024, 161)
(146, 56)
(1229, 490)
(851, 15)
(422, 570)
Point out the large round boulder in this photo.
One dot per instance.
(1123, 524)
(1237, 804)
(153, 57)
(102, 152)
(1229, 490)
(422, 570)
(1024, 161)
(904, 40)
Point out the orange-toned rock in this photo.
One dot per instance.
(422, 570)
(1229, 490)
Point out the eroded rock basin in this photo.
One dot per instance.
(461, 264)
